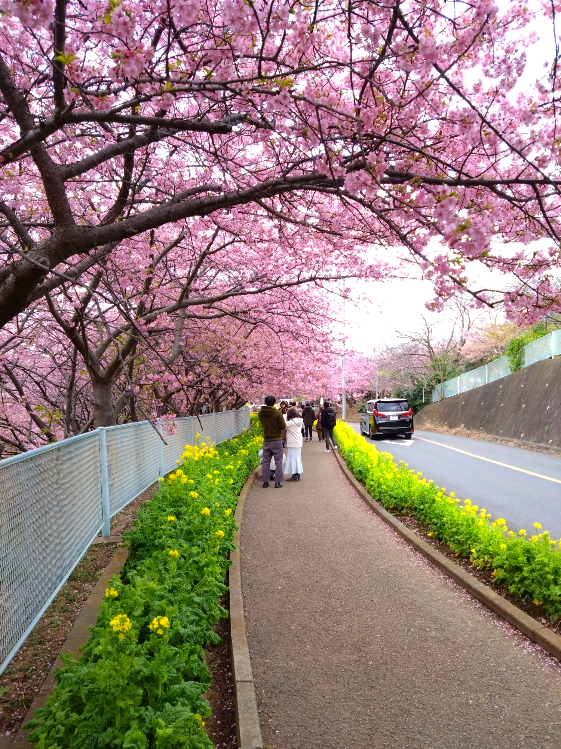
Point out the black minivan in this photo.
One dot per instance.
(387, 416)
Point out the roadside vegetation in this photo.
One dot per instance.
(142, 675)
(528, 562)
(459, 342)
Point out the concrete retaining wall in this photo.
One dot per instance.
(524, 406)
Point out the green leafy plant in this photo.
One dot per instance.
(141, 676)
(515, 349)
(530, 567)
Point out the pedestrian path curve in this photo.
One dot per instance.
(358, 642)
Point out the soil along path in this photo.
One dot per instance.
(358, 642)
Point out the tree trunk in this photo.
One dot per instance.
(104, 413)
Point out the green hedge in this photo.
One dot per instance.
(140, 679)
(530, 567)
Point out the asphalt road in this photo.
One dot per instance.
(498, 477)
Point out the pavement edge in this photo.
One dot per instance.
(248, 726)
(523, 622)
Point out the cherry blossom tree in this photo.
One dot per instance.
(389, 124)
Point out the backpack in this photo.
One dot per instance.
(331, 418)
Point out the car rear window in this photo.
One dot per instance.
(389, 406)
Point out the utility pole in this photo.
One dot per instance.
(343, 365)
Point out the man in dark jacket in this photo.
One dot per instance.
(309, 416)
(328, 421)
(274, 428)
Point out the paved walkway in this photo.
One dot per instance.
(357, 642)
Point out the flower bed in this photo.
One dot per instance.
(140, 679)
(530, 567)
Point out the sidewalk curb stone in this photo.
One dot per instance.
(523, 622)
(248, 727)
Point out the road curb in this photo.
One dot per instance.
(509, 612)
(248, 727)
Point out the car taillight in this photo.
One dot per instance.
(409, 413)
(380, 415)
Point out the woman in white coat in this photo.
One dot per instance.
(294, 444)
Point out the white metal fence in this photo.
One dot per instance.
(55, 500)
(546, 347)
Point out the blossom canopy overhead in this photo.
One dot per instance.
(372, 123)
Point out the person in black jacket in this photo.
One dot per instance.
(328, 421)
(309, 416)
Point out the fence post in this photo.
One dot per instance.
(105, 499)
(231, 424)
(458, 384)
(486, 374)
(160, 448)
(214, 426)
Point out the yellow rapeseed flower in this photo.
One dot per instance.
(537, 525)
(193, 494)
(120, 623)
(159, 623)
(171, 518)
(197, 718)
(197, 435)
(228, 512)
(173, 553)
(502, 547)
(111, 593)
(219, 534)
(190, 481)
(205, 511)
(522, 532)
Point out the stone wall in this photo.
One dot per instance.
(524, 406)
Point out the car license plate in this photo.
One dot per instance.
(393, 417)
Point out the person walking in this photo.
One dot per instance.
(318, 424)
(328, 421)
(308, 416)
(274, 428)
(294, 444)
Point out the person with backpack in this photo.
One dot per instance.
(328, 421)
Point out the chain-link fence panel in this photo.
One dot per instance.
(223, 426)
(51, 502)
(132, 462)
(181, 433)
(50, 512)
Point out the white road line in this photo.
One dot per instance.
(488, 460)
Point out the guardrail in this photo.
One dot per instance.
(55, 500)
(546, 347)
